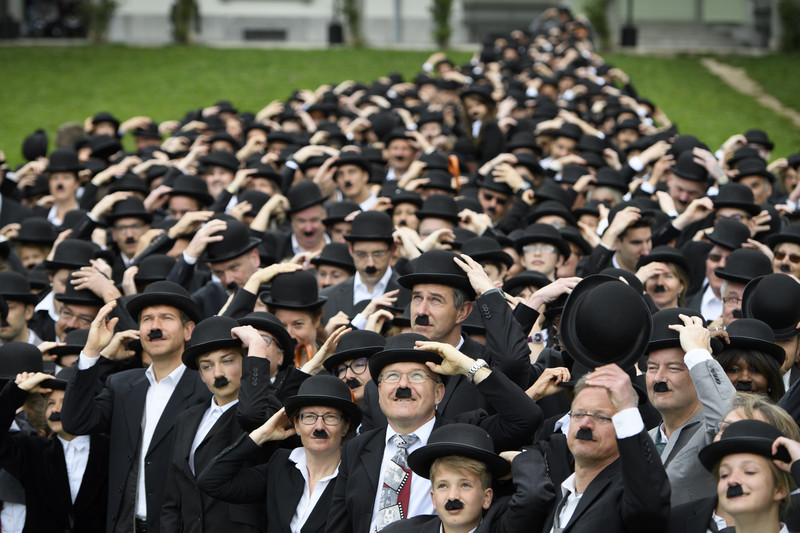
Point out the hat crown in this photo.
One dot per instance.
(235, 241)
(438, 206)
(16, 357)
(664, 337)
(403, 341)
(303, 195)
(336, 254)
(215, 328)
(735, 192)
(773, 299)
(439, 262)
(296, 289)
(687, 168)
(750, 328)
(13, 283)
(371, 225)
(464, 435)
(729, 233)
(746, 262)
(360, 339)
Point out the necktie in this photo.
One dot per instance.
(660, 444)
(558, 527)
(396, 483)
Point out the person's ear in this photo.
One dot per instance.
(488, 494)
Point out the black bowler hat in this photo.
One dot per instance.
(304, 195)
(400, 349)
(75, 341)
(164, 293)
(405, 197)
(605, 321)
(573, 235)
(753, 166)
(352, 158)
(149, 131)
(551, 190)
(104, 146)
(105, 116)
(64, 160)
(568, 130)
(439, 180)
(463, 440)
(16, 287)
(526, 278)
(439, 206)
(522, 139)
(35, 145)
(662, 336)
(395, 134)
(743, 265)
(489, 182)
(354, 345)
(338, 211)
(608, 177)
(759, 137)
(790, 233)
(257, 199)
(594, 160)
(153, 268)
(221, 158)
(543, 233)
(327, 391)
(729, 234)
(371, 226)
(486, 249)
(294, 290)
(236, 241)
(73, 254)
(335, 254)
(479, 90)
(130, 182)
(131, 207)
(193, 188)
(794, 160)
(529, 161)
(71, 295)
(737, 196)
(591, 143)
(686, 168)
(685, 143)
(435, 161)
(266, 171)
(664, 254)
(743, 152)
(18, 357)
(225, 137)
(3, 312)
(745, 436)
(773, 299)
(590, 208)
(753, 334)
(437, 266)
(551, 207)
(263, 321)
(212, 333)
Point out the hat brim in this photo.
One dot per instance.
(421, 459)
(66, 349)
(148, 299)
(716, 451)
(496, 256)
(24, 297)
(203, 198)
(233, 254)
(751, 208)
(346, 355)
(770, 348)
(281, 335)
(300, 306)
(451, 280)
(305, 205)
(721, 274)
(350, 409)
(350, 267)
(190, 355)
(778, 238)
(561, 244)
(76, 300)
(384, 358)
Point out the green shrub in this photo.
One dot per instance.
(790, 17)
(596, 12)
(441, 10)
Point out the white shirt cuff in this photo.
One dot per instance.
(292, 164)
(636, 163)
(189, 259)
(359, 321)
(85, 363)
(695, 357)
(628, 423)
(647, 187)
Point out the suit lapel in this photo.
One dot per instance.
(176, 404)
(372, 456)
(593, 491)
(292, 491)
(62, 500)
(95, 475)
(133, 407)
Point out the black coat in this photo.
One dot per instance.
(340, 297)
(117, 410)
(38, 462)
(186, 508)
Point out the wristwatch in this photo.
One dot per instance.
(480, 363)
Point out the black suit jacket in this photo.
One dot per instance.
(692, 517)
(13, 211)
(359, 473)
(278, 483)
(340, 296)
(117, 410)
(631, 494)
(186, 509)
(38, 462)
(210, 297)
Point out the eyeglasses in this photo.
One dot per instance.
(736, 216)
(417, 377)
(83, 320)
(269, 340)
(329, 419)
(720, 426)
(793, 258)
(580, 415)
(500, 200)
(374, 255)
(543, 248)
(715, 258)
(132, 227)
(731, 300)
(358, 366)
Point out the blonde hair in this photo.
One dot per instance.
(463, 464)
(750, 404)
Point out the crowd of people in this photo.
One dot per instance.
(503, 296)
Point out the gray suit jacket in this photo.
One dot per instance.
(689, 479)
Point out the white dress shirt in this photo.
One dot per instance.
(309, 499)
(210, 418)
(710, 305)
(419, 501)
(76, 455)
(297, 249)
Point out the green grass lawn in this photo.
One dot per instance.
(777, 73)
(47, 86)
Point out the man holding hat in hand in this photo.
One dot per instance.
(137, 408)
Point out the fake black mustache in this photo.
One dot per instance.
(155, 334)
(659, 289)
(353, 383)
(347, 184)
(584, 434)
(421, 320)
(371, 269)
(744, 387)
(734, 491)
(402, 393)
(320, 434)
(737, 313)
(785, 268)
(452, 505)
(220, 382)
(59, 187)
(130, 240)
(661, 386)
(231, 286)
(55, 416)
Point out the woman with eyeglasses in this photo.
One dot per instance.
(297, 485)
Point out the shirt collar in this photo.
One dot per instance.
(79, 443)
(382, 283)
(222, 409)
(568, 486)
(423, 432)
(298, 457)
(174, 377)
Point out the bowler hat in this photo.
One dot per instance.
(154, 267)
(236, 241)
(64, 160)
(212, 333)
(130, 182)
(406, 197)
(439, 206)
(773, 299)
(338, 211)
(688, 169)
(256, 199)
(371, 226)
(543, 233)
(486, 249)
(572, 173)
(753, 334)
(568, 130)
(737, 196)
(662, 336)
(164, 293)
(479, 90)
(605, 321)
(326, 391)
(462, 440)
(263, 321)
(754, 136)
(71, 295)
(629, 277)
(551, 190)
(439, 180)
(526, 278)
(149, 131)
(35, 145)
(75, 341)
(105, 116)
(354, 345)
(193, 188)
(743, 265)
(573, 235)
(294, 290)
(729, 233)
(743, 152)
(685, 143)
(753, 166)
(439, 267)
(522, 139)
(16, 287)
(304, 195)
(790, 233)
(489, 182)
(664, 254)
(221, 158)
(395, 134)
(104, 146)
(549, 208)
(72, 254)
(335, 254)
(400, 349)
(224, 136)
(745, 436)
(608, 177)
(18, 357)
(591, 143)
(435, 161)
(265, 171)
(131, 207)
(352, 158)
(529, 161)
